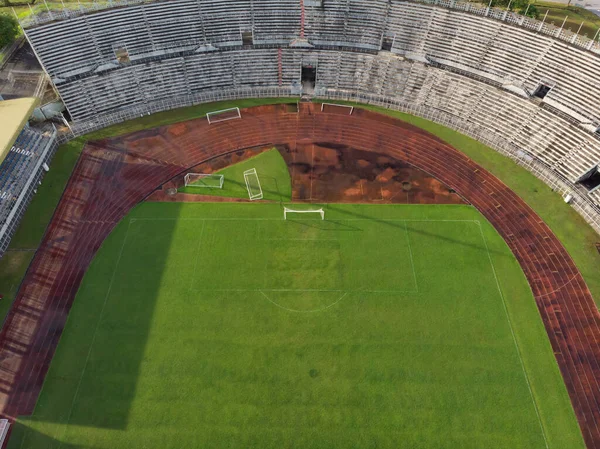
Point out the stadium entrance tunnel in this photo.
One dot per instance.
(542, 90)
(309, 79)
(591, 180)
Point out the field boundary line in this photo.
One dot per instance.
(304, 290)
(87, 359)
(412, 260)
(424, 220)
(300, 240)
(514, 337)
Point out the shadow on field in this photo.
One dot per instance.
(401, 225)
(96, 369)
(23, 436)
(411, 227)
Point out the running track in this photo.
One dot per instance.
(115, 174)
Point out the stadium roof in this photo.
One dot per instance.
(13, 116)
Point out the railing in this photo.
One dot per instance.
(46, 16)
(581, 201)
(81, 128)
(9, 50)
(9, 227)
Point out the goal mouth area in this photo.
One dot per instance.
(287, 210)
(204, 180)
(253, 185)
(339, 109)
(223, 115)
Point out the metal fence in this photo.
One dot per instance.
(9, 227)
(81, 128)
(580, 202)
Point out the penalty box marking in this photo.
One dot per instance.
(344, 292)
(399, 220)
(321, 309)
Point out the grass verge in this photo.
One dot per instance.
(272, 172)
(577, 236)
(26, 240)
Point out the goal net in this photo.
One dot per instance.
(208, 181)
(253, 184)
(287, 210)
(341, 109)
(223, 115)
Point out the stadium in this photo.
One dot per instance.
(300, 224)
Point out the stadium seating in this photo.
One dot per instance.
(440, 59)
(20, 173)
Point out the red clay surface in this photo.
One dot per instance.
(114, 175)
(325, 172)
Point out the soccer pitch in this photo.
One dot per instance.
(224, 326)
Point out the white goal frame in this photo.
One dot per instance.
(251, 176)
(191, 178)
(339, 106)
(216, 113)
(287, 210)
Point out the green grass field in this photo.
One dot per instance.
(576, 16)
(222, 325)
(577, 236)
(15, 262)
(272, 172)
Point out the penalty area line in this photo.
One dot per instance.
(100, 316)
(417, 220)
(514, 337)
(303, 311)
(412, 259)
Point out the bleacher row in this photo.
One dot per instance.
(478, 72)
(84, 46)
(567, 148)
(20, 174)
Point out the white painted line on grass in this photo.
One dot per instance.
(412, 259)
(514, 337)
(304, 311)
(87, 359)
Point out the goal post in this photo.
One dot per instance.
(204, 180)
(253, 185)
(223, 115)
(334, 108)
(287, 210)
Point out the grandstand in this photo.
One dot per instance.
(24, 156)
(501, 78)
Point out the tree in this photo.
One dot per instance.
(9, 29)
(518, 6)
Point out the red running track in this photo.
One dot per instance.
(115, 174)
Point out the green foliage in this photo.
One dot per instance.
(222, 325)
(518, 6)
(9, 29)
(14, 263)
